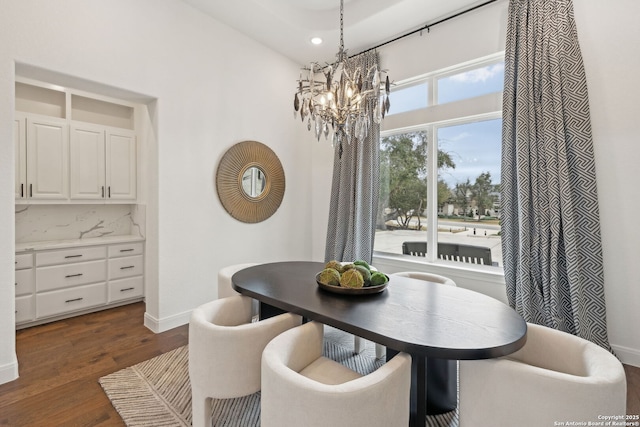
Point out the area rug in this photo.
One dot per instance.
(157, 393)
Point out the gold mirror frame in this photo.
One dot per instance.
(234, 163)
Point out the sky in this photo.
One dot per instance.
(474, 148)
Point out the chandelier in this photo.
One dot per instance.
(342, 98)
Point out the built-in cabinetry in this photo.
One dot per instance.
(57, 283)
(71, 147)
(25, 288)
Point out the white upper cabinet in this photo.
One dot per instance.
(121, 165)
(103, 163)
(87, 162)
(20, 143)
(73, 147)
(47, 159)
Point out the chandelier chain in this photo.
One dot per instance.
(341, 25)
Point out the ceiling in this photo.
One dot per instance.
(287, 26)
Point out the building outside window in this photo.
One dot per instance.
(440, 166)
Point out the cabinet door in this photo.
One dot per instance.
(25, 308)
(87, 162)
(121, 165)
(47, 159)
(20, 142)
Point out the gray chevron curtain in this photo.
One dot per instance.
(354, 191)
(550, 220)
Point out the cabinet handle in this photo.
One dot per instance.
(128, 266)
(73, 275)
(73, 256)
(126, 289)
(75, 299)
(22, 190)
(103, 191)
(109, 189)
(30, 190)
(126, 250)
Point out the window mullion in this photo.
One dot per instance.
(432, 195)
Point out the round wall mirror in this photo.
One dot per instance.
(250, 181)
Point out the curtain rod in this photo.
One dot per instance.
(427, 27)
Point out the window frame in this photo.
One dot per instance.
(429, 120)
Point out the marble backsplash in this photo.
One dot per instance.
(36, 223)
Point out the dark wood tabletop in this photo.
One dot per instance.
(417, 317)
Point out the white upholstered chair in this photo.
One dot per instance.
(224, 283)
(300, 387)
(225, 350)
(429, 277)
(224, 278)
(555, 377)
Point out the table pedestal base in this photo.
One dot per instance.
(437, 393)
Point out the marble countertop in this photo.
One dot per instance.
(69, 243)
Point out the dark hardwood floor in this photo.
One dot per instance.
(60, 364)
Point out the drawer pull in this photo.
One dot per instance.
(73, 275)
(128, 266)
(126, 289)
(73, 256)
(75, 299)
(126, 250)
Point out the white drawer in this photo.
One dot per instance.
(24, 261)
(25, 309)
(122, 289)
(125, 249)
(125, 267)
(25, 283)
(65, 256)
(73, 299)
(63, 276)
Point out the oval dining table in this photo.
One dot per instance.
(424, 319)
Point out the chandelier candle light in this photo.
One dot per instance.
(343, 96)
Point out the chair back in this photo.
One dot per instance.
(451, 252)
(427, 277)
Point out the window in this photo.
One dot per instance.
(471, 83)
(409, 98)
(440, 176)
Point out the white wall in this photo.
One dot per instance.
(609, 40)
(210, 88)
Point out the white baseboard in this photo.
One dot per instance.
(166, 323)
(628, 356)
(9, 372)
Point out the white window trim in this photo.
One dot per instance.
(430, 263)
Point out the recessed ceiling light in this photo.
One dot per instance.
(316, 40)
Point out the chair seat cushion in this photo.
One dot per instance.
(327, 371)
